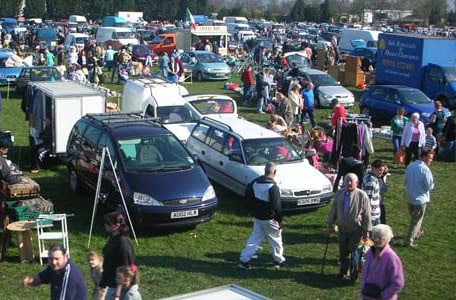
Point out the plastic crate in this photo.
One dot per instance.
(18, 210)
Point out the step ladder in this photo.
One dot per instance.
(51, 228)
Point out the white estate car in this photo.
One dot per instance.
(233, 152)
(213, 106)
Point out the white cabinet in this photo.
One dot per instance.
(52, 229)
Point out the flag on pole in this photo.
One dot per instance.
(190, 19)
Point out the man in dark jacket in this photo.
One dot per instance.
(261, 89)
(267, 222)
(66, 279)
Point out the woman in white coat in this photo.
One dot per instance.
(413, 137)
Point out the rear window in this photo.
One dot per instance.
(175, 114)
(213, 106)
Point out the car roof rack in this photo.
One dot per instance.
(106, 119)
(219, 123)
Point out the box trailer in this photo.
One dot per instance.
(60, 105)
(423, 62)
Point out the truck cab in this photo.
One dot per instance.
(439, 83)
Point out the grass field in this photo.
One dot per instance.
(206, 256)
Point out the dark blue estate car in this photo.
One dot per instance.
(161, 182)
(382, 102)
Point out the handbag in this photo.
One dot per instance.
(399, 157)
(372, 290)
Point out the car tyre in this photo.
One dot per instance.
(199, 76)
(74, 181)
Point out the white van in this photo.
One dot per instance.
(77, 19)
(235, 20)
(245, 35)
(78, 38)
(157, 97)
(348, 35)
(117, 36)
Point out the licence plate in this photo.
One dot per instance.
(308, 201)
(219, 74)
(184, 214)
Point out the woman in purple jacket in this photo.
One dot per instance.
(383, 276)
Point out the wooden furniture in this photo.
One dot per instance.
(23, 231)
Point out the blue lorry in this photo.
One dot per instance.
(423, 62)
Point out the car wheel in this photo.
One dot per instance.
(74, 182)
(199, 76)
(365, 111)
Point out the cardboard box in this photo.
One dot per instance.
(353, 64)
(354, 78)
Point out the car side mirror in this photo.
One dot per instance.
(196, 158)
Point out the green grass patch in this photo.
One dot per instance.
(206, 256)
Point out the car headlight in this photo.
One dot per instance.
(327, 188)
(143, 199)
(209, 193)
(209, 70)
(286, 192)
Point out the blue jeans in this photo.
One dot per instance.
(310, 114)
(396, 142)
(248, 91)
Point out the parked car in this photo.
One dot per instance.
(234, 151)
(220, 106)
(140, 53)
(8, 75)
(326, 88)
(382, 102)
(205, 65)
(299, 59)
(35, 73)
(159, 98)
(162, 184)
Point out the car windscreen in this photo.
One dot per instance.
(123, 35)
(299, 60)
(450, 74)
(213, 106)
(323, 80)
(414, 97)
(158, 153)
(260, 151)
(209, 58)
(44, 74)
(175, 114)
(81, 39)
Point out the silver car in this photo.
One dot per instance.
(205, 65)
(327, 88)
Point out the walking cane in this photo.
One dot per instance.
(324, 257)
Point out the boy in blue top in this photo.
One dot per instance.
(309, 103)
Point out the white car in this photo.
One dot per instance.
(233, 152)
(213, 106)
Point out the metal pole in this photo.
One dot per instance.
(97, 193)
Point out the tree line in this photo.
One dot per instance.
(281, 10)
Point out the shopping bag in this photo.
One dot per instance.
(399, 157)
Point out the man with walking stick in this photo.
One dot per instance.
(350, 211)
